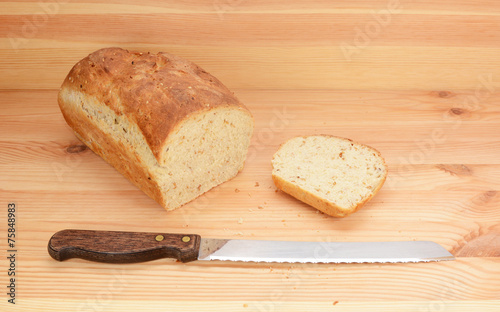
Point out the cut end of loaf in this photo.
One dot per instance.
(332, 174)
(207, 149)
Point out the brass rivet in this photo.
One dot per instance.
(159, 238)
(186, 239)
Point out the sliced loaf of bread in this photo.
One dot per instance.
(171, 128)
(332, 174)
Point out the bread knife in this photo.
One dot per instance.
(131, 247)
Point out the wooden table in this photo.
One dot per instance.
(418, 80)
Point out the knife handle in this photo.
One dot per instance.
(122, 247)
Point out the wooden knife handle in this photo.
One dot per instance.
(122, 247)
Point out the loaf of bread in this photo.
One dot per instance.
(332, 174)
(167, 125)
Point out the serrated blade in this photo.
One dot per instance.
(321, 252)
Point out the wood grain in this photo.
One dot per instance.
(417, 80)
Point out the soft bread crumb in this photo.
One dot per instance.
(334, 175)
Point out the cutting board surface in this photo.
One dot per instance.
(417, 80)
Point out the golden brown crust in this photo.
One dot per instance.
(154, 91)
(310, 199)
(318, 202)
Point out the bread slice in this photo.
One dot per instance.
(171, 128)
(332, 174)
